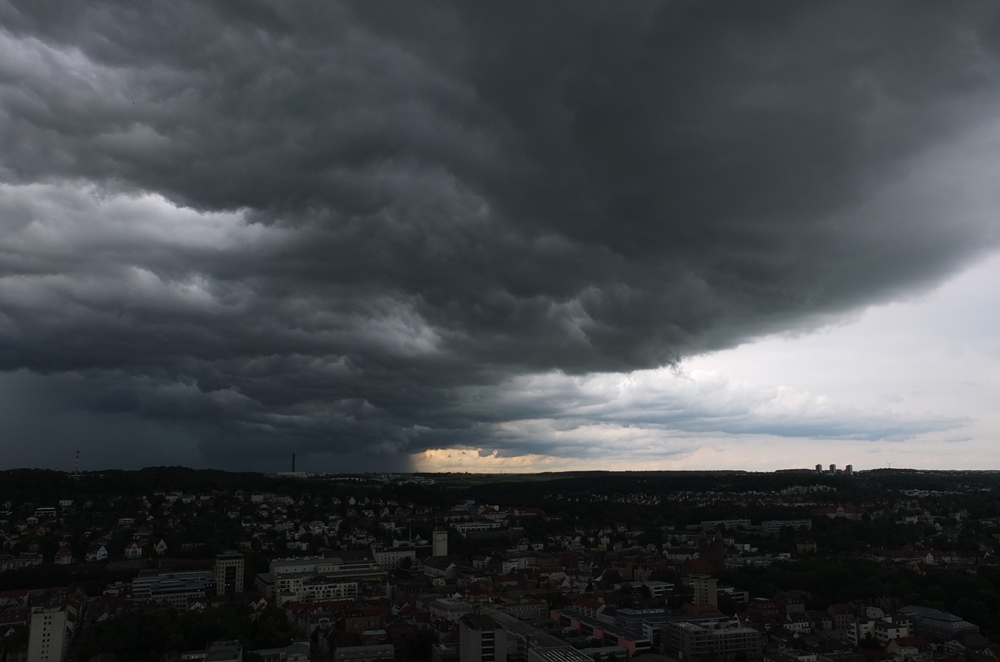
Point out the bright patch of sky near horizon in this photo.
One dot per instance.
(933, 357)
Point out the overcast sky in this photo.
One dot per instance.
(499, 236)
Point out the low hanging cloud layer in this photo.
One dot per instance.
(360, 228)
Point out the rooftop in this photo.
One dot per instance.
(479, 622)
(559, 654)
(929, 613)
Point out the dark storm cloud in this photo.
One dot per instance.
(372, 212)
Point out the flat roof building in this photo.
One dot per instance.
(937, 625)
(225, 651)
(373, 653)
(724, 641)
(174, 588)
(558, 654)
(609, 635)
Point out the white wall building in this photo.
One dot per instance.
(47, 634)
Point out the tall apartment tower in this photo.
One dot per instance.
(481, 639)
(833, 468)
(819, 468)
(229, 569)
(849, 470)
(706, 591)
(47, 634)
(440, 543)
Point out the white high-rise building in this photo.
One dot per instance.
(47, 634)
(440, 543)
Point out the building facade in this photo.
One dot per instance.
(47, 634)
(481, 639)
(721, 641)
(229, 570)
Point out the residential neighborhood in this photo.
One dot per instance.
(819, 565)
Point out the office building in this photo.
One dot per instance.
(318, 588)
(297, 651)
(606, 654)
(474, 527)
(723, 640)
(450, 609)
(174, 588)
(229, 569)
(937, 625)
(608, 635)
(354, 563)
(705, 591)
(727, 524)
(772, 526)
(649, 622)
(523, 637)
(318, 578)
(523, 608)
(370, 653)
(481, 639)
(440, 543)
(393, 558)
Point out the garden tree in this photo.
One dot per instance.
(974, 597)
(869, 643)
(458, 544)
(418, 647)
(629, 596)
(48, 546)
(727, 605)
(611, 576)
(559, 600)
(93, 578)
(663, 575)
(272, 629)
(135, 636)
(116, 545)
